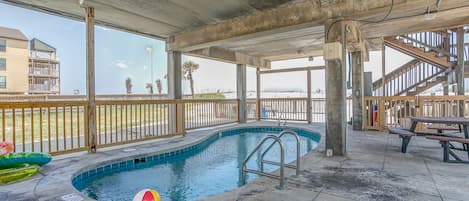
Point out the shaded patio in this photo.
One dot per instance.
(374, 169)
(367, 165)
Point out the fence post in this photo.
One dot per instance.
(382, 114)
(180, 119)
(420, 109)
(85, 125)
(90, 79)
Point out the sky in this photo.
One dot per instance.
(121, 55)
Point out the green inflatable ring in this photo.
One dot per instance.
(13, 159)
(18, 173)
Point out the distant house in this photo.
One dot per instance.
(36, 71)
(44, 68)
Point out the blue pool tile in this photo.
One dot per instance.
(92, 172)
(84, 175)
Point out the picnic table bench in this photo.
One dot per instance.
(444, 138)
(442, 129)
(447, 152)
(405, 135)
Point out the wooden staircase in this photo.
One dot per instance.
(407, 47)
(434, 56)
(411, 78)
(427, 85)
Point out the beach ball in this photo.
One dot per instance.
(5, 148)
(147, 195)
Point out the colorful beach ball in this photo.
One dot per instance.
(147, 195)
(5, 148)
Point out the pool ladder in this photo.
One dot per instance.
(277, 140)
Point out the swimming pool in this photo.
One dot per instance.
(190, 173)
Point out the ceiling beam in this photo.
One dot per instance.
(296, 69)
(439, 20)
(225, 55)
(283, 19)
(300, 16)
(293, 54)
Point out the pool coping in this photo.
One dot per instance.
(58, 175)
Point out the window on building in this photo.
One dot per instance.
(3, 64)
(3, 82)
(3, 45)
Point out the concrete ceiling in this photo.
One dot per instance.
(255, 30)
(156, 18)
(282, 45)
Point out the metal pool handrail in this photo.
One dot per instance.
(297, 166)
(282, 161)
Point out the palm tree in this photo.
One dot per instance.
(159, 86)
(128, 85)
(150, 88)
(187, 69)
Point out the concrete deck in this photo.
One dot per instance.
(373, 170)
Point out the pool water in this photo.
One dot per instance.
(213, 169)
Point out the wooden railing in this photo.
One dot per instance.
(407, 77)
(437, 41)
(59, 127)
(121, 122)
(251, 109)
(205, 113)
(32, 98)
(381, 113)
(284, 108)
(296, 109)
(52, 127)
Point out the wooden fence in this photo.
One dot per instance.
(60, 126)
(381, 113)
(292, 109)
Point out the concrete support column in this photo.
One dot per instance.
(174, 75)
(460, 68)
(90, 81)
(176, 111)
(357, 90)
(446, 87)
(335, 93)
(241, 92)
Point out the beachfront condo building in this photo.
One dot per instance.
(13, 62)
(27, 71)
(44, 68)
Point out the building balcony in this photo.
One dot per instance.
(43, 72)
(44, 56)
(43, 88)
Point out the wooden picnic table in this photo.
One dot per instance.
(460, 121)
(445, 141)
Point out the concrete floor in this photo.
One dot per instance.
(373, 170)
